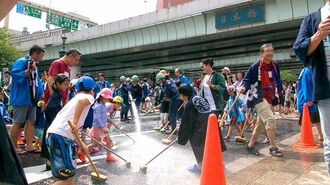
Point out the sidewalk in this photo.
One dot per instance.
(296, 167)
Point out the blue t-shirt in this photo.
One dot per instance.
(305, 89)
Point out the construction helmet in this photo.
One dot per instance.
(135, 78)
(160, 76)
(122, 78)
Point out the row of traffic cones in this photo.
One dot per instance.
(213, 167)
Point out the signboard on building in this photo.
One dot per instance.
(243, 15)
(63, 21)
(28, 10)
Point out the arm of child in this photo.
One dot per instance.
(81, 104)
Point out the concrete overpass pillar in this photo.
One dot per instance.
(75, 70)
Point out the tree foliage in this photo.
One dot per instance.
(289, 76)
(8, 52)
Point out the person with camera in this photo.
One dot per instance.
(25, 90)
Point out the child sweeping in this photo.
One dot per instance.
(236, 115)
(54, 105)
(60, 140)
(194, 124)
(100, 129)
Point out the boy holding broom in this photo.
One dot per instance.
(60, 140)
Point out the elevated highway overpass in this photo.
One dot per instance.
(183, 35)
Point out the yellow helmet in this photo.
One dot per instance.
(117, 99)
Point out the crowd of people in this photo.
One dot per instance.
(41, 104)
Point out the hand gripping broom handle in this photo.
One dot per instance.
(79, 142)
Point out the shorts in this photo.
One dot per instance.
(62, 156)
(314, 116)
(24, 113)
(165, 107)
(266, 115)
(38, 132)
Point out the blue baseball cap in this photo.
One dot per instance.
(87, 83)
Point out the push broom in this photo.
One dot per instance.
(162, 128)
(95, 175)
(168, 139)
(225, 114)
(127, 163)
(144, 168)
(241, 138)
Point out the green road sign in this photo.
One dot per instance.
(28, 10)
(63, 21)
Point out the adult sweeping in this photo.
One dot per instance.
(264, 81)
(312, 45)
(212, 86)
(194, 124)
(169, 88)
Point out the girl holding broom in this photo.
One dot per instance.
(100, 129)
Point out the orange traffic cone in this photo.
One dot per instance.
(212, 169)
(306, 136)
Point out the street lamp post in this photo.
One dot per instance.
(62, 52)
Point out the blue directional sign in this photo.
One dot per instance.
(20, 8)
(244, 15)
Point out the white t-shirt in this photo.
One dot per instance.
(60, 124)
(325, 12)
(208, 93)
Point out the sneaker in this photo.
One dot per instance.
(81, 156)
(195, 169)
(111, 158)
(252, 150)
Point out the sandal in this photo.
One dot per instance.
(227, 138)
(252, 150)
(275, 152)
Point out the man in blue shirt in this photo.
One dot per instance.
(26, 88)
(101, 84)
(305, 96)
(181, 77)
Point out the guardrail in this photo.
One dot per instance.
(35, 36)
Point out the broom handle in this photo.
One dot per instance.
(104, 146)
(231, 107)
(81, 146)
(173, 142)
(246, 120)
(165, 125)
(173, 131)
(115, 125)
(180, 107)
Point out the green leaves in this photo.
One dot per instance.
(8, 52)
(288, 76)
